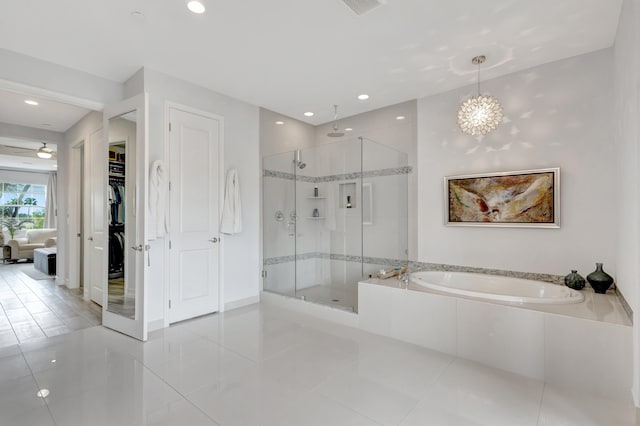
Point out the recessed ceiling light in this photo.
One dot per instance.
(363, 97)
(400, 117)
(43, 393)
(196, 7)
(348, 129)
(308, 114)
(136, 14)
(31, 102)
(279, 123)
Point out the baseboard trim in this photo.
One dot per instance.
(155, 325)
(241, 303)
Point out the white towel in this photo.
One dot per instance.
(158, 188)
(231, 212)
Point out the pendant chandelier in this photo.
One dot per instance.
(480, 114)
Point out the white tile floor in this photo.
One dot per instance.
(33, 309)
(263, 366)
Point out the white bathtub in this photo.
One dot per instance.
(494, 287)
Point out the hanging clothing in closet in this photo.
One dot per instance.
(116, 201)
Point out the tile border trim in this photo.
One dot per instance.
(394, 171)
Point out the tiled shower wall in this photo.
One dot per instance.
(329, 249)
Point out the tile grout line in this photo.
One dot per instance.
(184, 397)
(435, 379)
(62, 300)
(544, 389)
(36, 295)
(11, 322)
(33, 376)
(12, 329)
(340, 403)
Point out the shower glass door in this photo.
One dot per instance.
(279, 224)
(333, 214)
(329, 232)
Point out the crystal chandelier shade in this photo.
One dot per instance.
(480, 114)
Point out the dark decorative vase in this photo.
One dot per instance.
(574, 280)
(600, 280)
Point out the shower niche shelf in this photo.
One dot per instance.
(348, 192)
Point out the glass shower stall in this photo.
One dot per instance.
(333, 214)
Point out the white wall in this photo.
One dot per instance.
(626, 134)
(241, 151)
(68, 197)
(59, 80)
(381, 126)
(277, 138)
(557, 115)
(16, 176)
(29, 133)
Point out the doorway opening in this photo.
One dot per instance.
(42, 165)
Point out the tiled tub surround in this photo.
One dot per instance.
(585, 345)
(611, 307)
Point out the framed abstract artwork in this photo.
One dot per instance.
(527, 198)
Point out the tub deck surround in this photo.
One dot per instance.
(585, 345)
(535, 276)
(499, 288)
(595, 307)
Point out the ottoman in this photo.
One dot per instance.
(44, 260)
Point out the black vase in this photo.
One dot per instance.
(574, 280)
(600, 280)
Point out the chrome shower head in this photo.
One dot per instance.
(297, 160)
(335, 131)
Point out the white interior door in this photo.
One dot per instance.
(95, 229)
(125, 181)
(194, 198)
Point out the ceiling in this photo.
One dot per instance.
(47, 115)
(293, 56)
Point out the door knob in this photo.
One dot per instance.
(137, 248)
(90, 238)
(213, 240)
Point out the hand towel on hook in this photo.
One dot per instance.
(231, 212)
